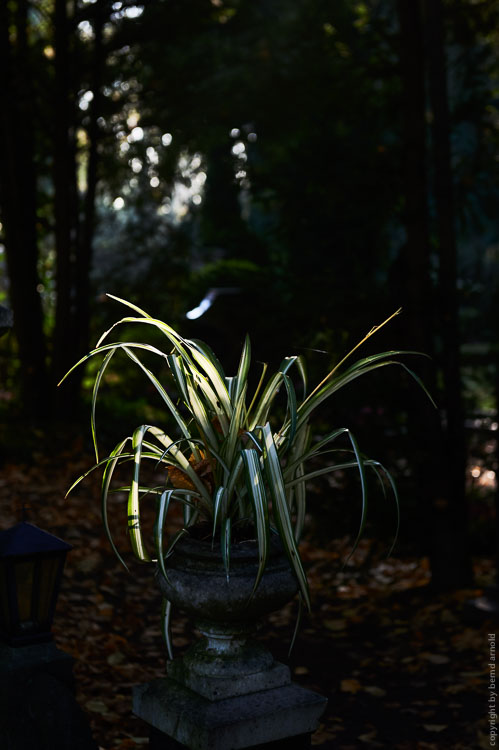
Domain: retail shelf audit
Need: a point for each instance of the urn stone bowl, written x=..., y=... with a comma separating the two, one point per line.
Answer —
x=227, y=661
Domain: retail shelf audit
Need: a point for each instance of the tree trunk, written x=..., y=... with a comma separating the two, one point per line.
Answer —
x=437, y=454
x=84, y=260
x=416, y=254
x=425, y=432
x=451, y=565
x=18, y=202
x=65, y=212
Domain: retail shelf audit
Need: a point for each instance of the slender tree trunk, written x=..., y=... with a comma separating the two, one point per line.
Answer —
x=452, y=565
x=416, y=255
x=65, y=211
x=425, y=431
x=437, y=436
x=18, y=203
x=84, y=260
x=221, y=223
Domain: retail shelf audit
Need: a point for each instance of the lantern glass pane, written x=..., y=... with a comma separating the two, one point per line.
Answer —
x=24, y=582
x=48, y=576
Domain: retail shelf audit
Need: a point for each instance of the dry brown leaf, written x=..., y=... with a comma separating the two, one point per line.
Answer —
x=335, y=624
x=375, y=690
x=456, y=687
x=435, y=727
x=116, y=658
x=97, y=706
x=350, y=685
x=301, y=670
x=369, y=738
x=435, y=658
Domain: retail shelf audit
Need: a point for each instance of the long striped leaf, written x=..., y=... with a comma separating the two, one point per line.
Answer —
x=182, y=372
x=178, y=374
x=363, y=483
x=234, y=476
x=182, y=462
x=375, y=465
x=366, y=361
x=230, y=445
x=256, y=490
x=207, y=352
x=231, y=384
x=315, y=450
x=106, y=348
x=301, y=505
x=178, y=342
x=322, y=472
x=166, y=615
x=214, y=388
x=161, y=514
x=219, y=507
x=162, y=392
x=296, y=468
x=215, y=379
x=281, y=510
x=270, y=392
x=95, y=391
x=287, y=442
x=256, y=394
x=225, y=542
x=102, y=463
x=314, y=401
x=134, y=526
x=242, y=370
x=297, y=623
x=128, y=304
x=202, y=419
x=107, y=476
x=302, y=369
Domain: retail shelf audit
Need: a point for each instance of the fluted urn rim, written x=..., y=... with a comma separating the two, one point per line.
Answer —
x=195, y=551
x=198, y=583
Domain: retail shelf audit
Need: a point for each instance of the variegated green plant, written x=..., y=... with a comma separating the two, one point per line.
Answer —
x=226, y=458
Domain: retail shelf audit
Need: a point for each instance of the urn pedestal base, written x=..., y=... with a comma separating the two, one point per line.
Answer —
x=289, y=713
x=226, y=664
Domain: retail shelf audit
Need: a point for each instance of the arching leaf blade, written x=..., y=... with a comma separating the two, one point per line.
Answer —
x=255, y=485
x=281, y=511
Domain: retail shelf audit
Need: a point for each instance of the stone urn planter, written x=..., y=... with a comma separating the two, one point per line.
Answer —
x=227, y=691
x=227, y=661
x=234, y=450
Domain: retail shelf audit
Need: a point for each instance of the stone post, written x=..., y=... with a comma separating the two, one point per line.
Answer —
x=38, y=710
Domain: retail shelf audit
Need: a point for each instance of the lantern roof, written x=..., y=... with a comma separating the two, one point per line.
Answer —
x=26, y=539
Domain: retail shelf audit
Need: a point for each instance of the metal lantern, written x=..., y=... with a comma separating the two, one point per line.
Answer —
x=31, y=563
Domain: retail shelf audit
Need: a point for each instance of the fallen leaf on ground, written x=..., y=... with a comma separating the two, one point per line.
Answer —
x=375, y=690
x=350, y=686
x=436, y=658
x=435, y=727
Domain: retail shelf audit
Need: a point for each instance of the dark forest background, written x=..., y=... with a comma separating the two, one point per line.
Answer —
x=319, y=164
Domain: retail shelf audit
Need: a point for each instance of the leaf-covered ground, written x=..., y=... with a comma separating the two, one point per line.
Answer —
x=401, y=668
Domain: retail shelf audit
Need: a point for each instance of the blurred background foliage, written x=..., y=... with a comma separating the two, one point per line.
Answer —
x=306, y=167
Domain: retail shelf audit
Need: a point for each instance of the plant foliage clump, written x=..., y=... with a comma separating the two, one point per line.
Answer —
x=230, y=457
